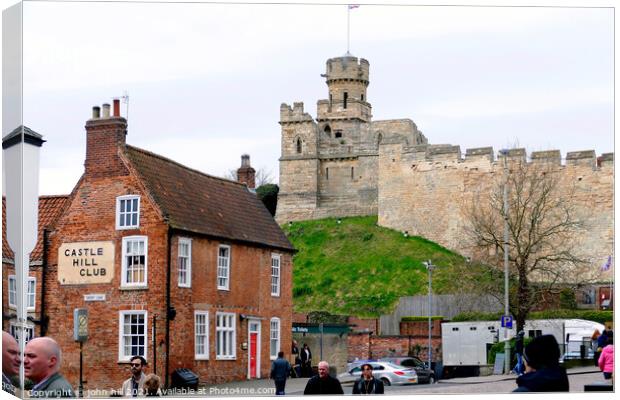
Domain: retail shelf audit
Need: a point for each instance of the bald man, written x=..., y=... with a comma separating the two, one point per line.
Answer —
x=323, y=383
x=42, y=358
x=10, y=361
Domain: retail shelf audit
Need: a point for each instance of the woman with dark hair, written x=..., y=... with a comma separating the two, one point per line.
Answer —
x=543, y=372
x=606, y=360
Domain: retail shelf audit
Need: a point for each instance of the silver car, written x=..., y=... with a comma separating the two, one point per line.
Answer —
x=390, y=374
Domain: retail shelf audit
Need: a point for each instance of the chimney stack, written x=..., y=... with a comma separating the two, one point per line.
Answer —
x=105, y=135
x=246, y=174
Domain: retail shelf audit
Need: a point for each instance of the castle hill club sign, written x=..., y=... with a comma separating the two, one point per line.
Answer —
x=85, y=263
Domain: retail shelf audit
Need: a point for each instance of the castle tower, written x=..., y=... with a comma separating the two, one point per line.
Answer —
x=347, y=80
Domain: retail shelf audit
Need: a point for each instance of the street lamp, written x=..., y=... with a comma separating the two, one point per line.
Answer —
x=506, y=271
x=429, y=267
x=20, y=149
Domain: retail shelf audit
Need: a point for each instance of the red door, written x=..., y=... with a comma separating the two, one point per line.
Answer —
x=253, y=343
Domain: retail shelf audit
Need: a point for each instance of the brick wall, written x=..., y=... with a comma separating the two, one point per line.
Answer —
x=364, y=346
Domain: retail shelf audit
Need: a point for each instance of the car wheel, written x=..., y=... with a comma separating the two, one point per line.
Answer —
x=386, y=381
x=431, y=379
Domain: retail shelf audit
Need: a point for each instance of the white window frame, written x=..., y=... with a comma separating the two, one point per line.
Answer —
x=231, y=333
x=119, y=199
x=204, y=355
x=276, y=273
x=122, y=357
x=274, y=337
x=29, y=331
x=188, y=267
x=30, y=295
x=226, y=286
x=124, y=283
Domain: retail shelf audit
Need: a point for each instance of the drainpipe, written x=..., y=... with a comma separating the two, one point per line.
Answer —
x=169, y=261
x=43, y=317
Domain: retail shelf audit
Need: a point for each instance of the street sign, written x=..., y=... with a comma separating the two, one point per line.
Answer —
x=507, y=321
x=80, y=324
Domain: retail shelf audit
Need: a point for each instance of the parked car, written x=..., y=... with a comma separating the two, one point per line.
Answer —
x=425, y=374
x=390, y=374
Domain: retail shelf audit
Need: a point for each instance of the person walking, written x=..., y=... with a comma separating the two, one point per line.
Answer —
x=296, y=359
x=134, y=386
x=280, y=371
x=606, y=360
x=519, y=353
x=601, y=342
x=306, y=361
x=368, y=384
x=323, y=383
x=10, y=361
x=42, y=358
x=543, y=372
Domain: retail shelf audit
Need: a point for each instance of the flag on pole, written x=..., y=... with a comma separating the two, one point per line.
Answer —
x=607, y=265
x=352, y=6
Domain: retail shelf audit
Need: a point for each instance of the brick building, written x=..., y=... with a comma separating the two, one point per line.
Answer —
x=186, y=269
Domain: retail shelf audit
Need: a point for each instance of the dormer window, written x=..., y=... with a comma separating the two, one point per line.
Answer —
x=298, y=145
x=127, y=212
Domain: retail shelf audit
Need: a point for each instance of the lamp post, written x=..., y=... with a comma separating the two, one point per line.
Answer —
x=506, y=271
x=429, y=267
x=20, y=149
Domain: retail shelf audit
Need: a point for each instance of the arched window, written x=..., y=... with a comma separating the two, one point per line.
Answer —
x=328, y=130
x=298, y=145
x=379, y=138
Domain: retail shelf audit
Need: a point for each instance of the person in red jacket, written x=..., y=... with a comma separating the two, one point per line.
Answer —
x=606, y=360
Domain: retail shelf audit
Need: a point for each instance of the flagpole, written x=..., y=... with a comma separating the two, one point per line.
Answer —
x=348, y=26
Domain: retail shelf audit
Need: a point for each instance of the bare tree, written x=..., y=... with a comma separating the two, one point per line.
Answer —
x=544, y=222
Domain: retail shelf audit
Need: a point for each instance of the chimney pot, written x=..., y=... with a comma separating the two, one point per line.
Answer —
x=245, y=160
x=117, y=107
x=96, y=112
x=106, y=110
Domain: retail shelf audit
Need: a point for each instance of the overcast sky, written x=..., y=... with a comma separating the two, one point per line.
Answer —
x=205, y=81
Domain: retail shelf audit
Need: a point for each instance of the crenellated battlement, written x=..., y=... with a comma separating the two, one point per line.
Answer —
x=294, y=114
x=437, y=153
x=347, y=68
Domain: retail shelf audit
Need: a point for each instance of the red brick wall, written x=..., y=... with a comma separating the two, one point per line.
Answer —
x=364, y=324
x=420, y=328
x=365, y=346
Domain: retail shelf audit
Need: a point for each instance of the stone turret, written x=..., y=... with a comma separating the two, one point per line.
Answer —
x=347, y=80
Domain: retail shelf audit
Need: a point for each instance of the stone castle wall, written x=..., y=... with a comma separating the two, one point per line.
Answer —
x=427, y=191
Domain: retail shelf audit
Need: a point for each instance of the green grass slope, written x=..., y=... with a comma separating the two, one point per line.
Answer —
x=359, y=268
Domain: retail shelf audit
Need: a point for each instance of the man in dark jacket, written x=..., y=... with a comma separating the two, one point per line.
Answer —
x=280, y=370
x=42, y=358
x=367, y=384
x=306, y=361
x=323, y=383
x=543, y=372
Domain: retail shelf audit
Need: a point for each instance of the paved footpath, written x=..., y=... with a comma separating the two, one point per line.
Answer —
x=492, y=384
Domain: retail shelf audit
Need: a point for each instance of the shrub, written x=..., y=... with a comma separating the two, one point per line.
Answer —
x=268, y=194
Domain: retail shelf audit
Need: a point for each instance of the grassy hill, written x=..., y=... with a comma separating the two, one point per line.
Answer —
x=359, y=268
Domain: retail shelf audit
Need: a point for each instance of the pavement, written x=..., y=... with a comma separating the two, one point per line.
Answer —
x=578, y=377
